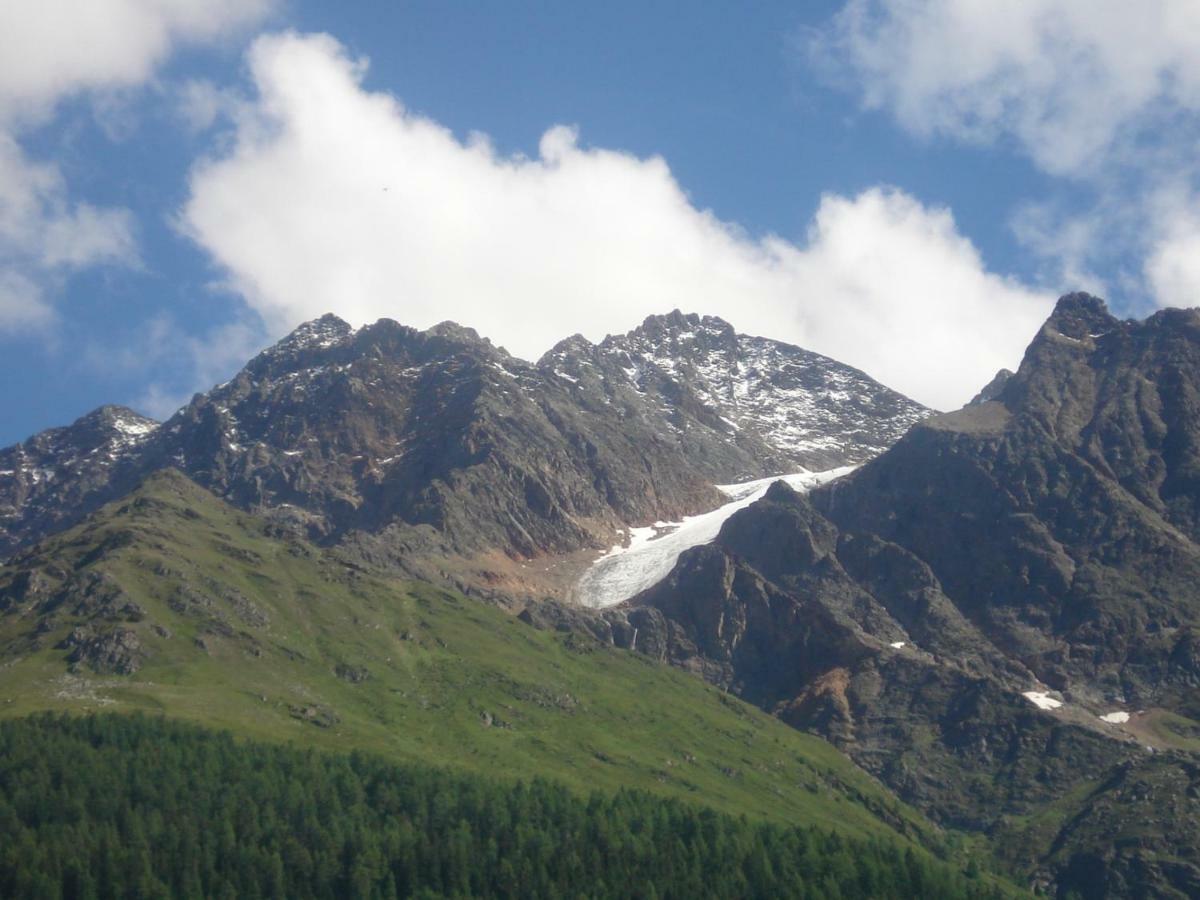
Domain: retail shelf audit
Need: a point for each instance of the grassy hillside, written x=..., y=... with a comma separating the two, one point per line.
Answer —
x=171, y=601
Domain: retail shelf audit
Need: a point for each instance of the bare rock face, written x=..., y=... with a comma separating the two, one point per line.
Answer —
x=117, y=651
x=1046, y=538
x=1054, y=529
x=401, y=444
x=1061, y=518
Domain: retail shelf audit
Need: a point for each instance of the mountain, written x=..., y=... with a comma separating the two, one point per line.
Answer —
x=809, y=411
x=46, y=481
x=997, y=616
x=171, y=601
x=440, y=454
x=1064, y=517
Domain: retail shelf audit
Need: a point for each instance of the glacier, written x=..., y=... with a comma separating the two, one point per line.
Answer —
x=649, y=553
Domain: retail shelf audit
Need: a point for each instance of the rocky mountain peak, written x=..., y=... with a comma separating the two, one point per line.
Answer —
x=108, y=427
x=677, y=330
x=456, y=333
x=304, y=346
x=115, y=421
x=317, y=334
x=814, y=412
x=664, y=321
x=44, y=480
x=575, y=345
x=385, y=338
x=388, y=339
x=1080, y=316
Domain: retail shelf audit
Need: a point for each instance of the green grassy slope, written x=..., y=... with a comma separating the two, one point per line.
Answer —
x=276, y=640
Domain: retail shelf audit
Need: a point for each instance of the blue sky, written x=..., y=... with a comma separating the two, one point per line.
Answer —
x=905, y=186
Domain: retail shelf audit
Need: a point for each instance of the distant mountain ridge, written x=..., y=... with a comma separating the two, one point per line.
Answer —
x=438, y=444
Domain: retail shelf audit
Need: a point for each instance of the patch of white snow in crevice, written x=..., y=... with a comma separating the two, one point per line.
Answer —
x=1042, y=700
x=1115, y=718
x=896, y=645
x=134, y=429
x=650, y=552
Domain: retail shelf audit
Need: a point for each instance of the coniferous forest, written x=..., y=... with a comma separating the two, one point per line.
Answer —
x=119, y=806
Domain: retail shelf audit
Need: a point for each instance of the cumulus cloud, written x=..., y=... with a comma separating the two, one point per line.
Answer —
x=1070, y=79
x=1173, y=267
x=1105, y=93
x=54, y=48
x=332, y=198
x=50, y=50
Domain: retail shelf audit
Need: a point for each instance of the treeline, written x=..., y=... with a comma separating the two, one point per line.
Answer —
x=118, y=806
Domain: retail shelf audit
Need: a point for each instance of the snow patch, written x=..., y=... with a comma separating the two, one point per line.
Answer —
x=1115, y=718
x=1042, y=700
x=896, y=645
x=131, y=428
x=650, y=552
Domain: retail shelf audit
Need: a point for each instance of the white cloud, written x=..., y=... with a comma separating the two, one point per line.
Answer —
x=330, y=198
x=1173, y=267
x=54, y=48
x=1105, y=93
x=1072, y=80
x=43, y=234
x=22, y=305
x=50, y=50
x=891, y=286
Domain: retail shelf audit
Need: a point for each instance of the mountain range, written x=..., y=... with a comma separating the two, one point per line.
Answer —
x=437, y=452
x=992, y=613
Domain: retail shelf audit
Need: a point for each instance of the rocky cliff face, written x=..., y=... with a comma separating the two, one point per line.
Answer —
x=853, y=637
x=1051, y=532
x=402, y=443
x=1062, y=516
x=959, y=613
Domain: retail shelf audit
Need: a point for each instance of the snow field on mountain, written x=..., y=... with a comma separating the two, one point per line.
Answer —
x=1042, y=700
x=650, y=552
